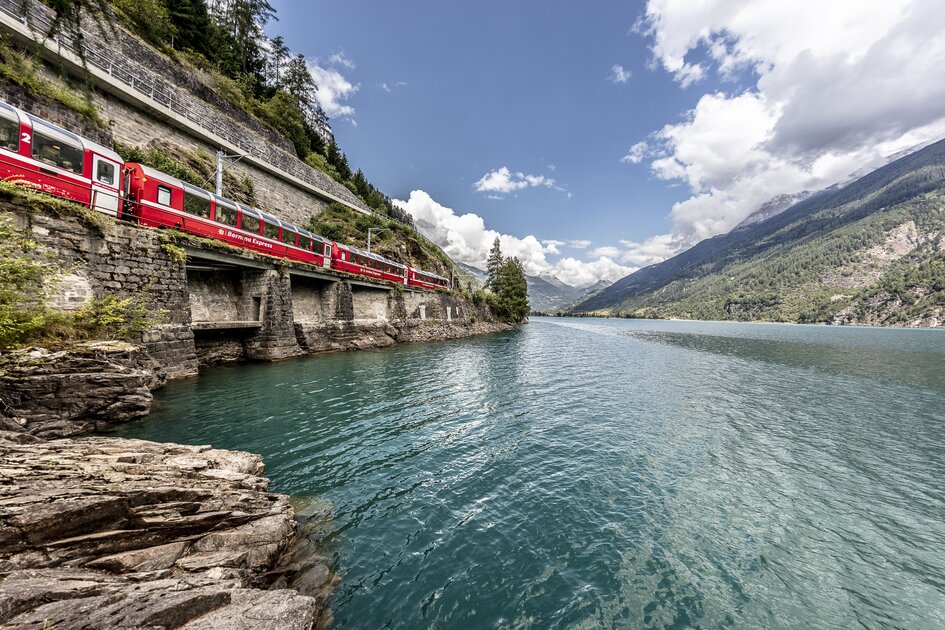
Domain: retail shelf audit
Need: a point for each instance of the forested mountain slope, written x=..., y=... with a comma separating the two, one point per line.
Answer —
x=871, y=252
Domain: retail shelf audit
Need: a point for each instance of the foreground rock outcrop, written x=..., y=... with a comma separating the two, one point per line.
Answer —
x=116, y=533
x=83, y=389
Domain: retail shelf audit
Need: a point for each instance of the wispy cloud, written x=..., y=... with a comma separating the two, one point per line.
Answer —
x=339, y=59
x=390, y=87
x=636, y=153
x=618, y=74
x=503, y=181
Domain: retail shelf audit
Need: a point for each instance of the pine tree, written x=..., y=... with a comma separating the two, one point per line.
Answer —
x=493, y=264
x=511, y=292
x=245, y=19
x=298, y=81
x=278, y=55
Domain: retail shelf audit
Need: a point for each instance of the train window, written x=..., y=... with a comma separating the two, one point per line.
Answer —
x=55, y=152
x=226, y=215
x=271, y=230
x=288, y=236
x=250, y=223
x=327, y=249
x=196, y=205
x=164, y=196
x=305, y=242
x=9, y=129
x=105, y=173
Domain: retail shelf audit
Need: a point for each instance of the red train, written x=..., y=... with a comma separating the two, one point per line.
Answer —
x=39, y=154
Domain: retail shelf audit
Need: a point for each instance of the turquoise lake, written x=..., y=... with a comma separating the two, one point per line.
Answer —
x=586, y=473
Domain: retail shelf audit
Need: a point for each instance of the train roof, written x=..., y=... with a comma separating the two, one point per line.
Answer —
x=433, y=275
x=312, y=235
x=164, y=177
x=366, y=254
x=67, y=136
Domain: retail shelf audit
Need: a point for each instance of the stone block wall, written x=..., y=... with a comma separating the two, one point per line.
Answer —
x=122, y=260
x=370, y=304
x=224, y=295
x=204, y=316
x=276, y=339
x=55, y=112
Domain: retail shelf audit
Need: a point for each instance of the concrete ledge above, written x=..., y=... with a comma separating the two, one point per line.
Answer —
x=206, y=259
x=225, y=325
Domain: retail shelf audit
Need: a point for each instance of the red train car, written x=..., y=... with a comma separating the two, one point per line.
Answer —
x=426, y=280
x=354, y=260
x=157, y=199
x=39, y=154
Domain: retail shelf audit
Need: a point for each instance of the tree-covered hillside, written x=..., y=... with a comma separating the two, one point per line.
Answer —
x=871, y=252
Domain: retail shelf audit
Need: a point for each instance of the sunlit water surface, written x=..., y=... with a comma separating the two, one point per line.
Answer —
x=609, y=473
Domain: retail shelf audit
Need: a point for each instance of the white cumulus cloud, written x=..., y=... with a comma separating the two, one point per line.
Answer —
x=339, y=59
x=652, y=250
x=466, y=239
x=606, y=251
x=334, y=90
x=503, y=181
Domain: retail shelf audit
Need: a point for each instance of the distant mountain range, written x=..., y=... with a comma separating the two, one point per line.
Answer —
x=546, y=293
x=774, y=207
x=869, y=251
x=780, y=203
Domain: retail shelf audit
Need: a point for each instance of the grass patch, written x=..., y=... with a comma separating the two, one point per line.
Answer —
x=23, y=69
x=27, y=275
x=177, y=254
x=38, y=201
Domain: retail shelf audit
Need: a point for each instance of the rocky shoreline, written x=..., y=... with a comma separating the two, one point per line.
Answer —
x=116, y=533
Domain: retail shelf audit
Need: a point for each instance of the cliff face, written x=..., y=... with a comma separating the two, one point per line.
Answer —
x=56, y=394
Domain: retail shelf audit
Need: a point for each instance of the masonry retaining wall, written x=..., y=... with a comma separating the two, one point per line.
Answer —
x=248, y=307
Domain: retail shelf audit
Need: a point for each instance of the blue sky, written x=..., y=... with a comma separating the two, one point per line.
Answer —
x=434, y=96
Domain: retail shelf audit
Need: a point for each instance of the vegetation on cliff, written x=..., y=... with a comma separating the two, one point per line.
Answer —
x=397, y=241
x=194, y=167
x=28, y=276
x=23, y=69
x=871, y=252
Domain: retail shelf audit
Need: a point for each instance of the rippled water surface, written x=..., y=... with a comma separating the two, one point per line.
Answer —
x=609, y=473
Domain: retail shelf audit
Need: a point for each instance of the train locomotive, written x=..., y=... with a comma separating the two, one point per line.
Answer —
x=36, y=153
